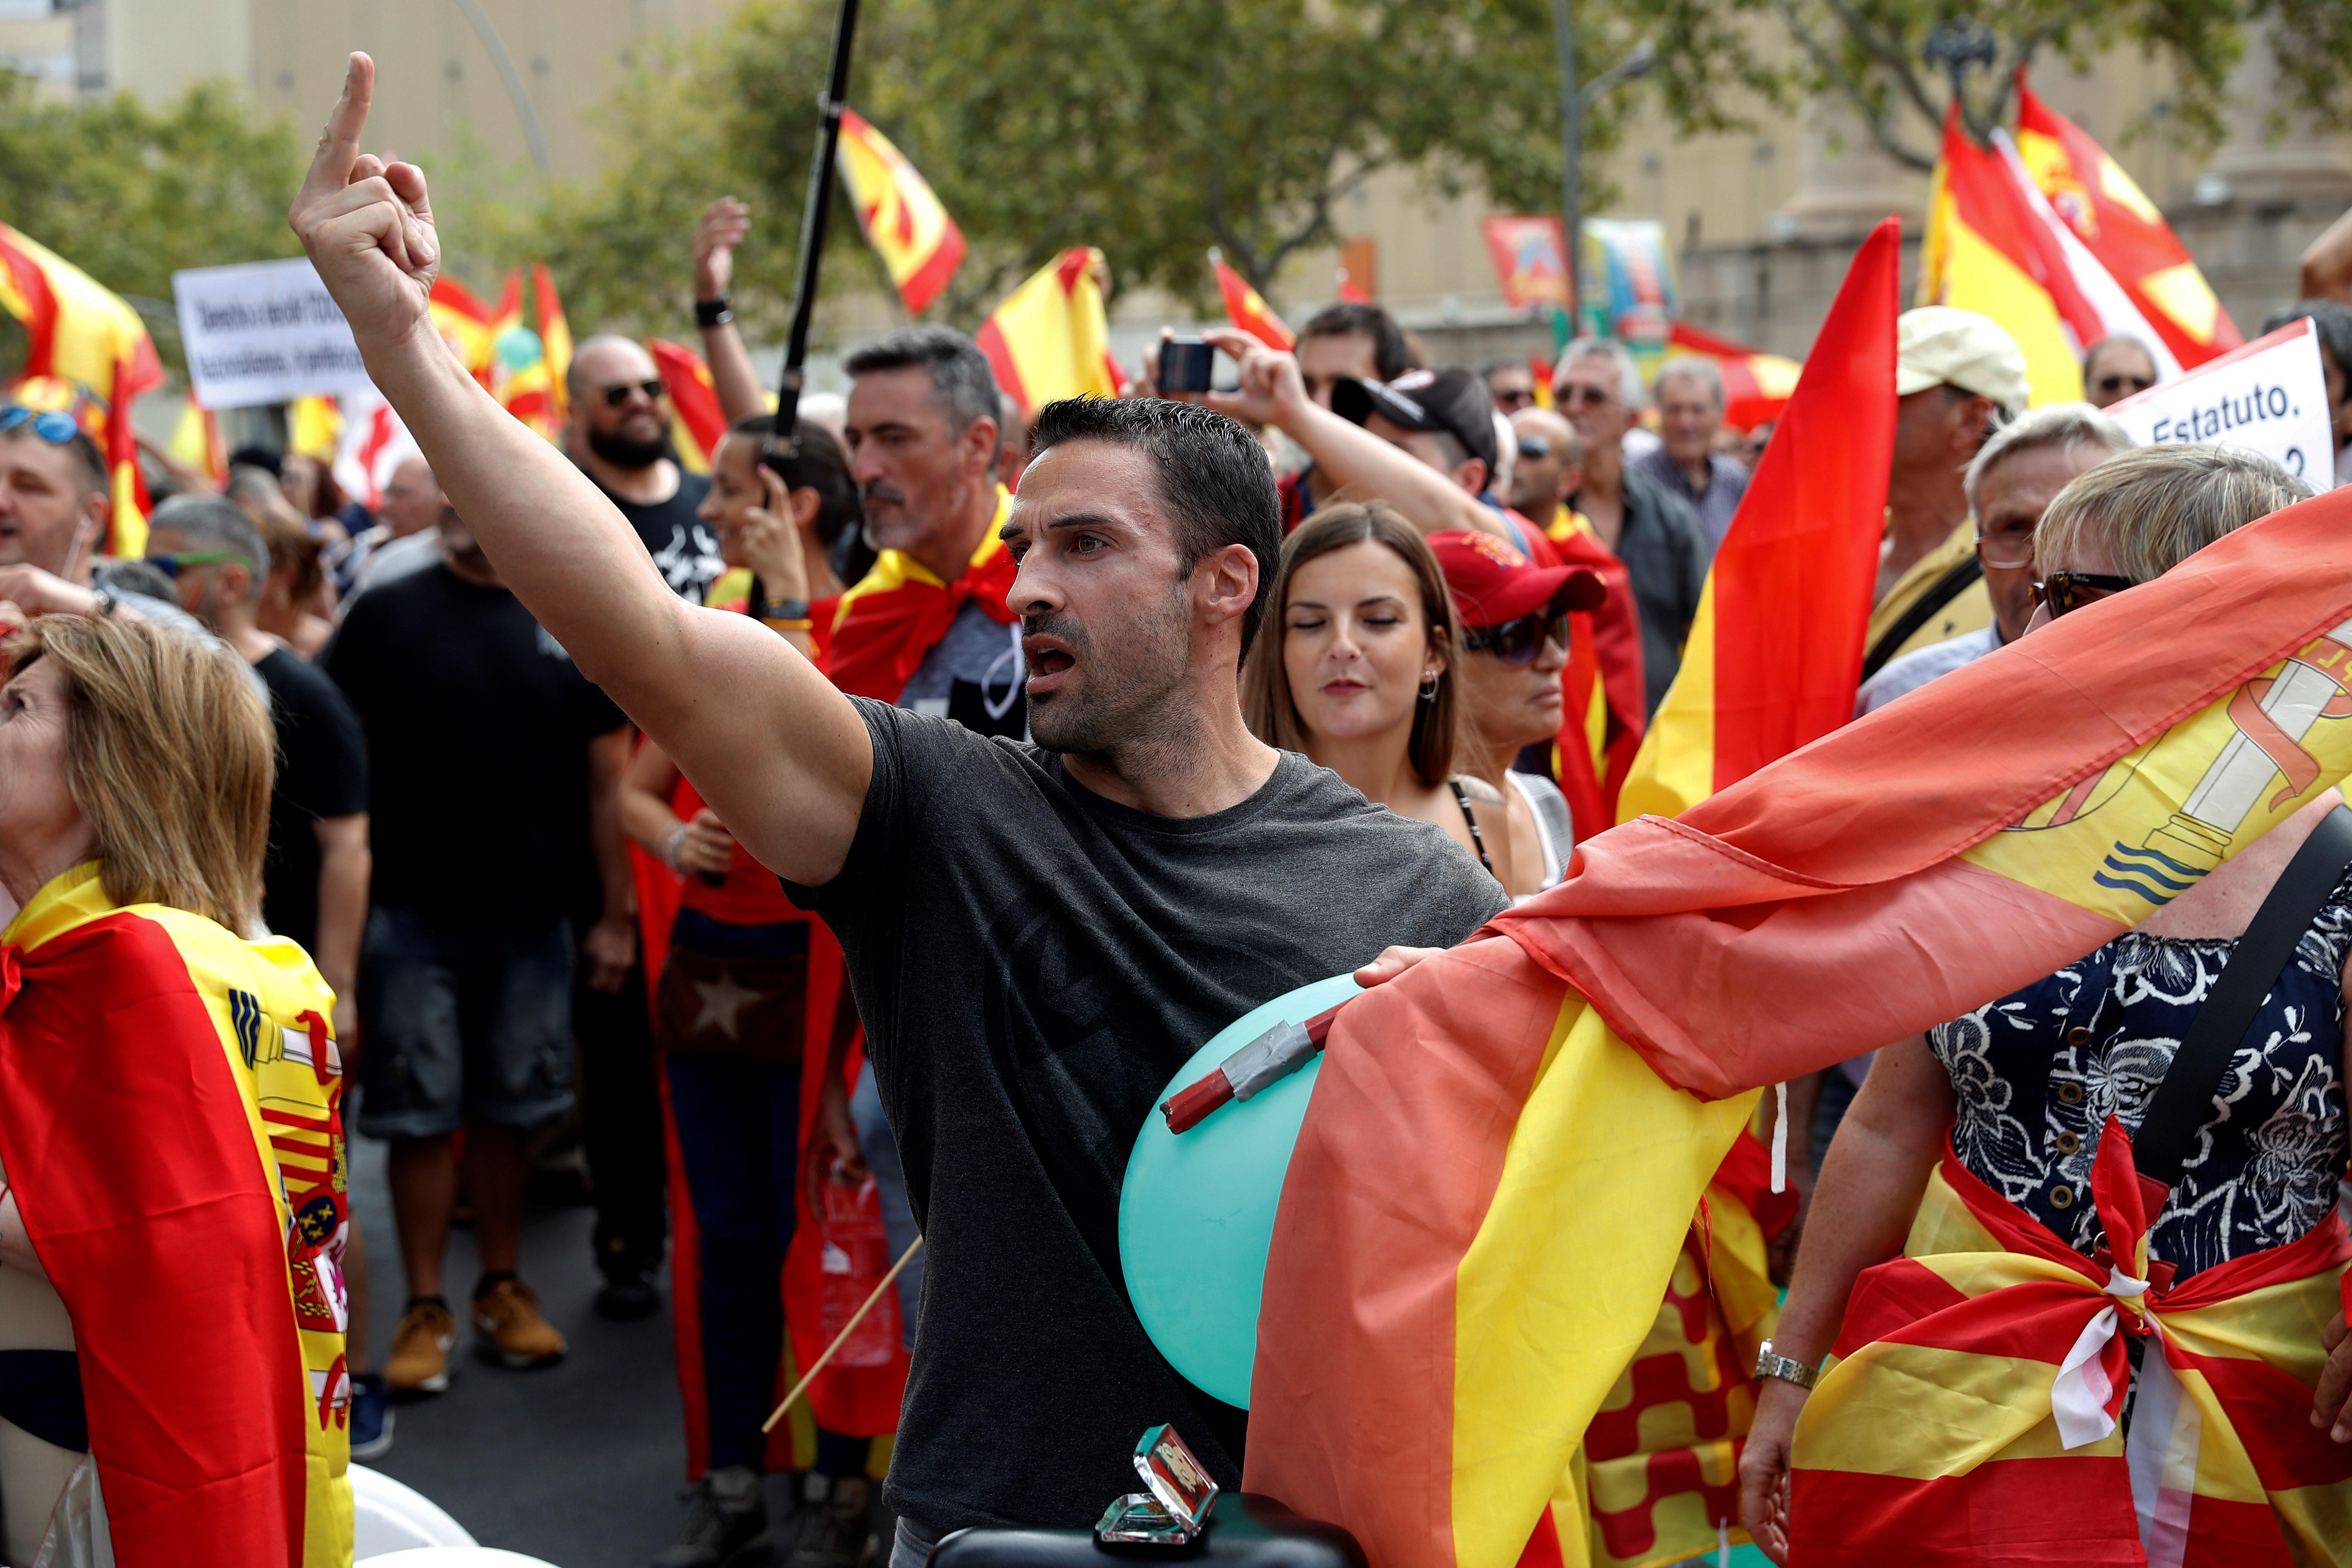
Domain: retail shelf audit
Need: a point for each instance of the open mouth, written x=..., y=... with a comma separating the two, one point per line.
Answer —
x=1049, y=662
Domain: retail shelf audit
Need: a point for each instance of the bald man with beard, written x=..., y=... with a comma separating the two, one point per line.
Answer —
x=620, y=435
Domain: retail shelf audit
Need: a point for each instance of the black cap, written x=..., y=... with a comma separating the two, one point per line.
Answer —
x=1452, y=400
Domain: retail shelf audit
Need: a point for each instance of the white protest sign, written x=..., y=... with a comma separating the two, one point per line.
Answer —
x=2268, y=396
x=263, y=332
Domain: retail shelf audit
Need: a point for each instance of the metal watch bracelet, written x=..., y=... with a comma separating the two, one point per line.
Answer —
x=1770, y=1363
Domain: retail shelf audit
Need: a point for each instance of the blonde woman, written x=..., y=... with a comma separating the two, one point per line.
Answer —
x=1357, y=671
x=172, y=1307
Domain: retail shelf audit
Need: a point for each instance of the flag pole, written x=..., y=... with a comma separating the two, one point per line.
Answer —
x=814, y=219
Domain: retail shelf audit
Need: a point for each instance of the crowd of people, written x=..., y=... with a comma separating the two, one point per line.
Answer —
x=979, y=817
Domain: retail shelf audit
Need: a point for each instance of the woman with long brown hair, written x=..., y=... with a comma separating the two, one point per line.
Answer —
x=1356, y=671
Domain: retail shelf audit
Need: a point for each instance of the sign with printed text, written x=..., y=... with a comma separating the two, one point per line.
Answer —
x=263, y=332
x=2268, y=396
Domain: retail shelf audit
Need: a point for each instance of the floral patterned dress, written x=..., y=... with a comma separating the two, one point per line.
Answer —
x=2037, y=1072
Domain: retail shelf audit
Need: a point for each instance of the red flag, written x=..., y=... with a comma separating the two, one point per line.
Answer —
x=1247, y=310
x=701, y=420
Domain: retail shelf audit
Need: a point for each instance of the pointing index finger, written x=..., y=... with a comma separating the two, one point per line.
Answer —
x=339, y=143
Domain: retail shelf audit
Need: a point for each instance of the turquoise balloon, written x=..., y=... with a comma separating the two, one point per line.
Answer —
x=1196, y=1214
x=519, y=347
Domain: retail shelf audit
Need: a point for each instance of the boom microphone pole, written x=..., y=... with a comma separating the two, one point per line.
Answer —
x=813, y=220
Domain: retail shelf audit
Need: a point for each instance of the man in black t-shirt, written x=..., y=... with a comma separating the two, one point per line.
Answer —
x=619, y=436
x=1039, y=934
x=493, y=761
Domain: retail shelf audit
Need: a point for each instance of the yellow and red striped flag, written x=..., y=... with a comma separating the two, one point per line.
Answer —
x=1775, y=650
x=1247, y=309
x=78, y=330
x=554, y=337
x=1437, y=1334
x=1756, y=385
x=197, y=441
x=694, y=396
x=1051, y=339
x=463, y=324
x=904, y=222
x=2119, y=225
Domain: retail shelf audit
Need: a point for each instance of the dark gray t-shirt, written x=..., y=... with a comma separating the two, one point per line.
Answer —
x=1033, y=964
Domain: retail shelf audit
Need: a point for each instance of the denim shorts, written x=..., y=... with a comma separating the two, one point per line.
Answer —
x=462, y=1023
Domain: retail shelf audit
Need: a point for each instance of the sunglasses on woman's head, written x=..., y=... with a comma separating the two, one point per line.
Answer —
x=1517, y=643
x=618, y=393
x=2063, y=591
x=50, y=425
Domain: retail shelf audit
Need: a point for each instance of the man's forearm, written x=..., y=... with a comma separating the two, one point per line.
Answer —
x=344, y=865
x=740, y=395
x=608, y=761
x=1353, y=459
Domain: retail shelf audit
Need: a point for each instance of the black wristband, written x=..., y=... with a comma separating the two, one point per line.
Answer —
x=714, y=312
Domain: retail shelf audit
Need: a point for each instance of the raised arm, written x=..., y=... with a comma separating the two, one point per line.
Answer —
x=780, y=753
x=724, y=223
x=1353, y=458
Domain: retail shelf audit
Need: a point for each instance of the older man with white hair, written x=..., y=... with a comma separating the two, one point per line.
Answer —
x=1656, y=533
x=1689, y=395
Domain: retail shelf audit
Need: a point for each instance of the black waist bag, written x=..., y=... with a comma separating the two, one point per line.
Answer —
x=1245, y=1530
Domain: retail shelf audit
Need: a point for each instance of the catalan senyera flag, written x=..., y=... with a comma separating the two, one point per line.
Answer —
x=1995, y=245
x=1968, y=1411
x=904, y=222
x=2117, y=224
x=1572, y=1077
x=554, y=337
x=700, y=421
x=170, y=1119
x=78, y=330
x=1050, y=339
x=1756, y=385
x=1774, y=650
x=1247, y=309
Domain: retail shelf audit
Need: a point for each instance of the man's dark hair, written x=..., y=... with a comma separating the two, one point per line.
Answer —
x=816, y=463
x=961, y=379
x=1391, y=355
x=1213, y=477
x=2330, y=321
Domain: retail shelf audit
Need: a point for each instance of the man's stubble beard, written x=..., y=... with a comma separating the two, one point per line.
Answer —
x=1128, y=700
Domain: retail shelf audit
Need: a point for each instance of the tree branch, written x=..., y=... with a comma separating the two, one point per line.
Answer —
x=1888, y=53
x=1876, y=117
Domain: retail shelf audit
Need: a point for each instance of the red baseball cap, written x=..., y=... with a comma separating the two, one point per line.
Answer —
x=1493, y=584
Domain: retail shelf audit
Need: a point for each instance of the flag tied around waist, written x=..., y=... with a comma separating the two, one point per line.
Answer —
x=170, y=1122
x=1505, y=1145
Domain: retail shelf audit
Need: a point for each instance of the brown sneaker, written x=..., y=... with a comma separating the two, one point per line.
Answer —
x=511, y=1330
x=420, y=1350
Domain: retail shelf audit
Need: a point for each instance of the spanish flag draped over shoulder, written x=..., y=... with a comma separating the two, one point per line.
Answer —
x=170, y=1102
x=919, y=243
x=2107, y=210
x=78, y=330
x=881, y=628
x=1438, y=1331
x=1051, y=339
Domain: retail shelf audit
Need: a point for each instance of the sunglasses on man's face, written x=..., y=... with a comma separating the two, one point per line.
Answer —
x=50, y=425
x=1535, y=449
x=2063, y=591
x=618, y=393
x=1585, y=397
x=170, y=564
x=1512, y=402
x=2114, y=382
x=1517, y=643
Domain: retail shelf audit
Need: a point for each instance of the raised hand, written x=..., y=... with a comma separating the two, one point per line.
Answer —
x=366, y=223
x=724, y=223
x=1272, y=391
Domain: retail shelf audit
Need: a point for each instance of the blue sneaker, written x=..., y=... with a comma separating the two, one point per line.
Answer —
x=371, y=1416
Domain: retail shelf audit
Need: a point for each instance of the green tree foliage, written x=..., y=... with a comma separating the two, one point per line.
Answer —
x=130, y=195
x=1151, y=128
x=1870, y=54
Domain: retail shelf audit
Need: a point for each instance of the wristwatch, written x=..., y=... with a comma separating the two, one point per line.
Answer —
x=1770, y=1363
x=714, y=312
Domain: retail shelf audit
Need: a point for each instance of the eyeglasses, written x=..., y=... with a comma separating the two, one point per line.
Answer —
x=1534, y=447
x=170, y=564
x=1984, y=559
x=1581, y=396
x=1517, y=643
x=618, y=393
x=2114, y=383
x=2063, y=591
x=1512, y=402
x=50, y=425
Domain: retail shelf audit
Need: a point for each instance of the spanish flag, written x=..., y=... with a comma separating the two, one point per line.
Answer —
x=78, y=330
x=881, y=628
x=554, y=337
x=1247, y=309
x=170, y=1121
x=694, y=397
x=2119, y=225
x=1776, y=648
x=466, y=324
x=904, y=222
x=1756, y=385
x=1605, y=703
x=1050, y=339
x=1439, y=1332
